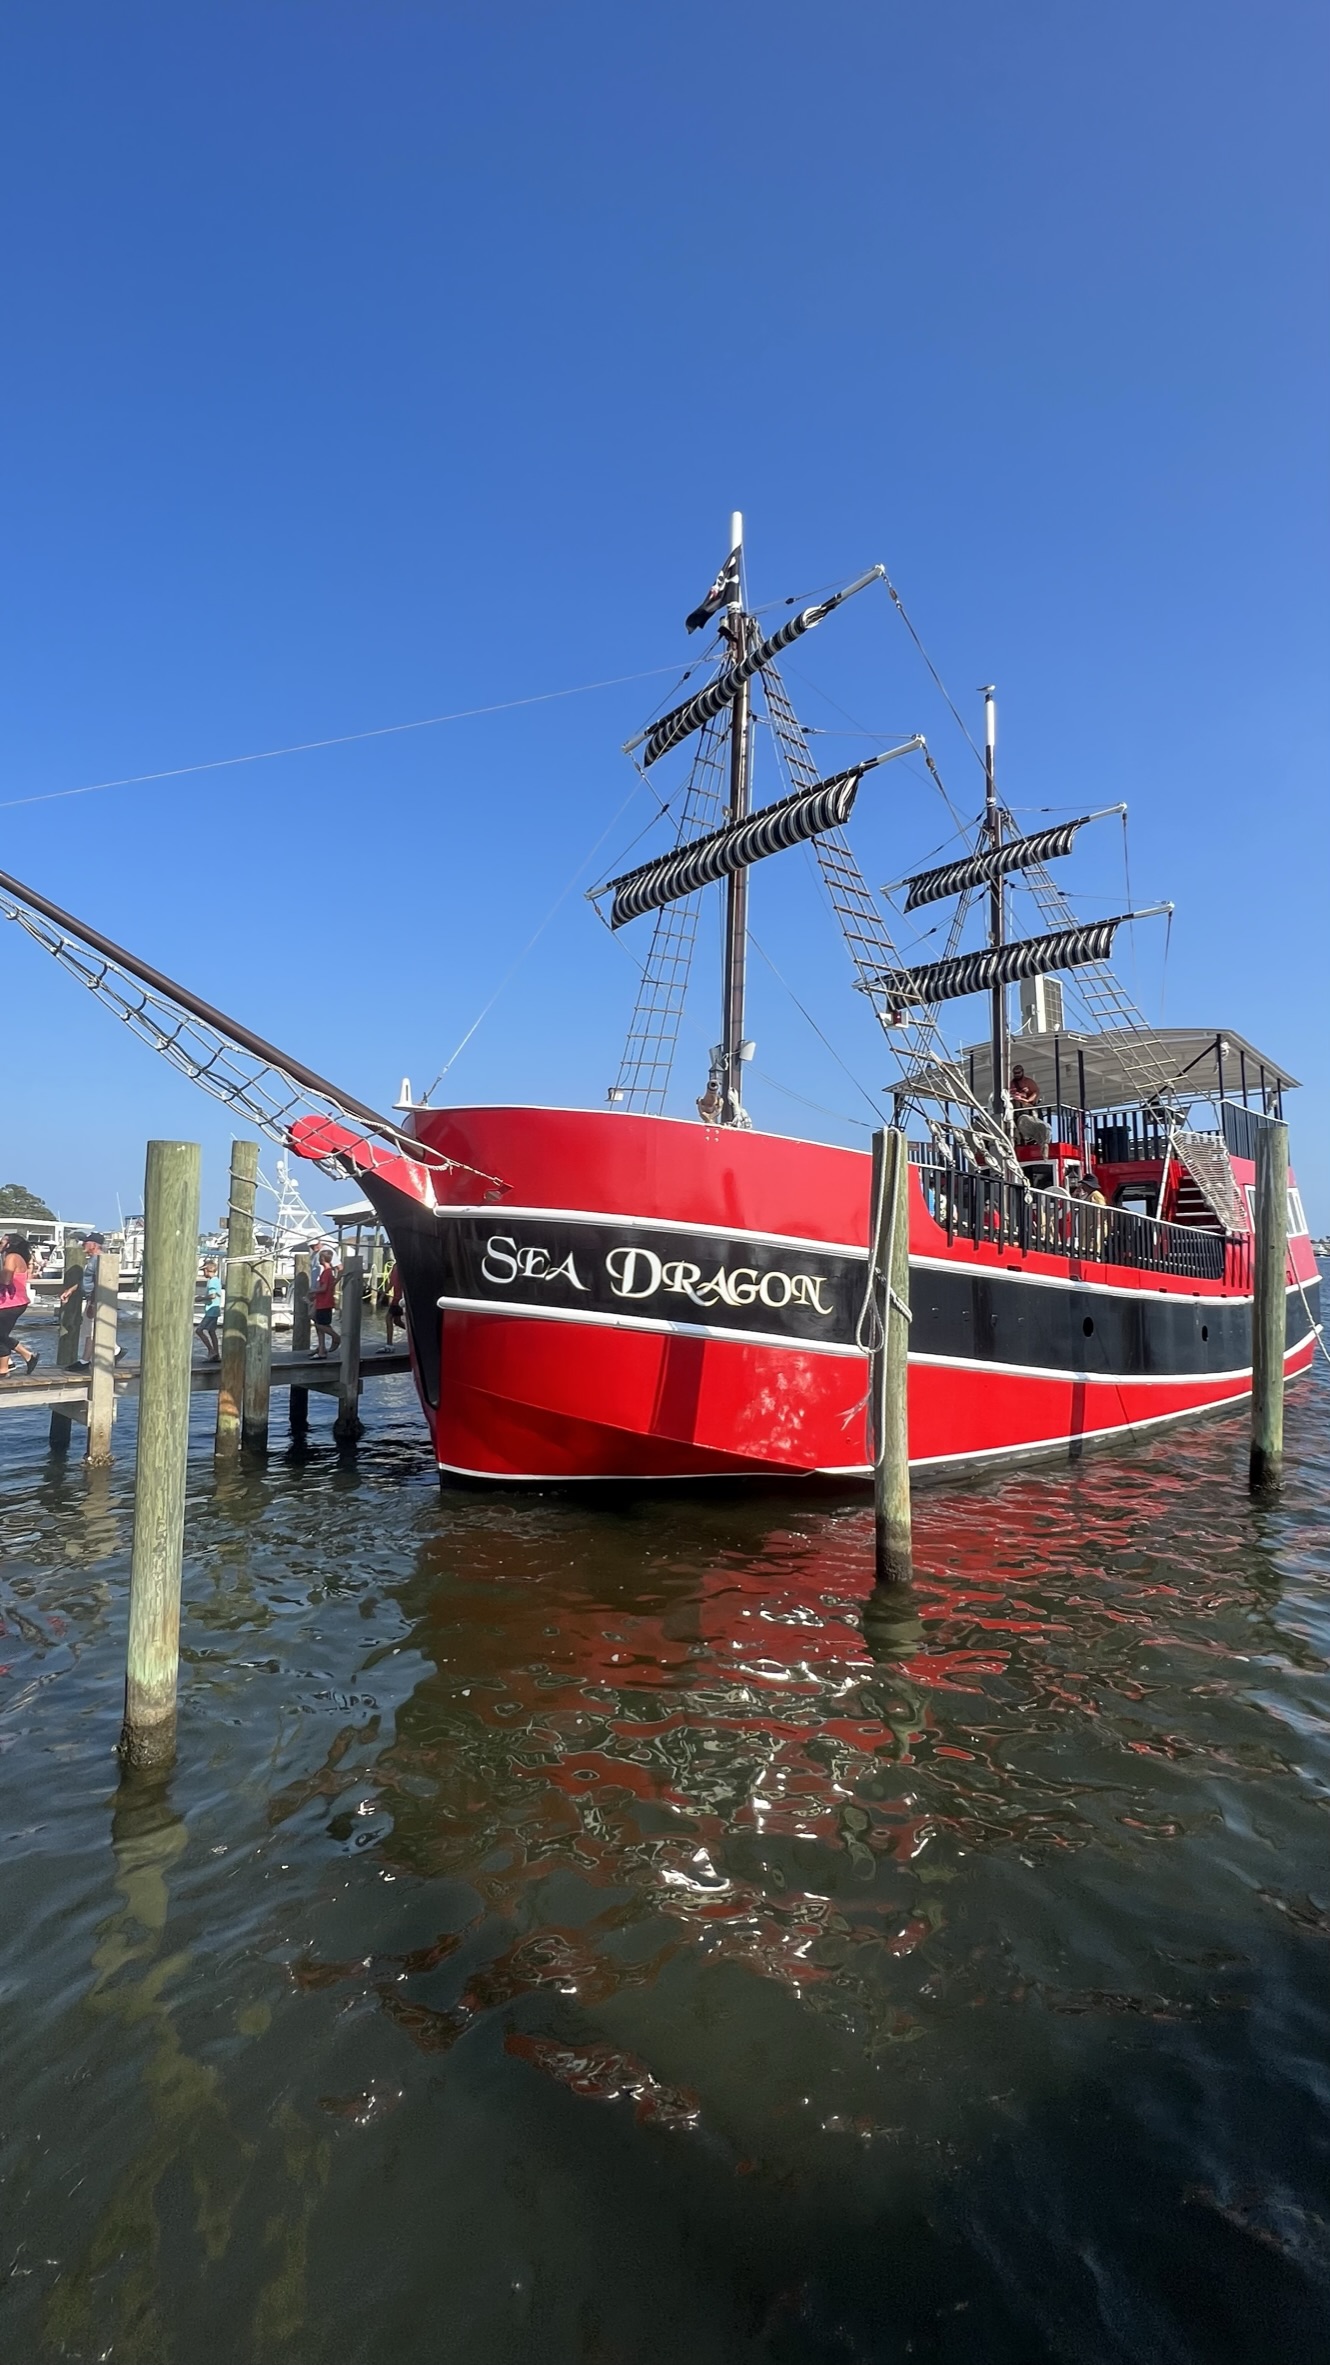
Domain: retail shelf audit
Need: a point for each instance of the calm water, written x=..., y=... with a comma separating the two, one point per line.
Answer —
x=607, y=1934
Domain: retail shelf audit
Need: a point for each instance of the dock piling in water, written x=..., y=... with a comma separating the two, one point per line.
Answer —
x=889, y=1283
x=235, y=1315
x=170, y=1262
x=298, y=1411
x=1269, y=1304
x=101, y=1382
x=348, y=1425
x=258, y=1358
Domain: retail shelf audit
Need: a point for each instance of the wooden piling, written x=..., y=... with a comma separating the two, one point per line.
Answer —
x=69, y=1321
x=101, y=1383
x=299, y=1397
x=258, y=1359
x=1269, y=1304
x=888, y=1397
x=348, y=1425
x=235, y=1314
x=170, y=1265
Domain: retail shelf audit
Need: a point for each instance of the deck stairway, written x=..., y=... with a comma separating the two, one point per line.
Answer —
x=1207, y=1195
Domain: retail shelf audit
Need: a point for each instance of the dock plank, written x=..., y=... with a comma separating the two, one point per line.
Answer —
x=55, y=1388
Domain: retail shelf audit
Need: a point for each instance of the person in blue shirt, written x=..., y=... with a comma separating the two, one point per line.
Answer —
x=206, y=1327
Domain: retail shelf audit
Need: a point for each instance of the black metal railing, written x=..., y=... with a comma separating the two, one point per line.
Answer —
x=1241, y=1128
x=970, y=1204
x=1127, y=1137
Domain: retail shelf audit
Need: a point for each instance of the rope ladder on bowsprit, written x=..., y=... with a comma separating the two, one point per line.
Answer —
x=254, y=1078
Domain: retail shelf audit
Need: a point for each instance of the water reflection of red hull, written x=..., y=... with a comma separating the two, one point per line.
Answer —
x=649, y=1299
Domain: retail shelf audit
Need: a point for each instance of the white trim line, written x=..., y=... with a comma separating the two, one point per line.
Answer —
x=1094, y=1379
x=687, y=1330
x=1154, y=1420
x=795, y=1346
x=1149, y=1285
x=660, y=1223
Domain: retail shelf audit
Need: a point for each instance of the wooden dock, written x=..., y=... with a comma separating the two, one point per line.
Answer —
x=55, y=1390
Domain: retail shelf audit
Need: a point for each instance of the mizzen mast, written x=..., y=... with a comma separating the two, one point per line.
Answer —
x=997, y=907
x=739, y=629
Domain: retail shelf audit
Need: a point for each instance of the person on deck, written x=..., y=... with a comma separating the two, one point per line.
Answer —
x=1029, y=1130
x=69, y=1307
x=93, y=1245
x=323, y=1297
x=1094, y=1227
x=393, y=1318
x=15, y=1266
x=206, y=1327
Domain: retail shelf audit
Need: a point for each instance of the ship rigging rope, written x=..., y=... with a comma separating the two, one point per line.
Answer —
x=870, y=1340
x=823, y=1039
x=899, y=605
x=240, y=1070
x=561, y=898
x=266, y=755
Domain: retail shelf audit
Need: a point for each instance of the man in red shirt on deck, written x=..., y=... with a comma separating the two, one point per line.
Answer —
x=323, y=1297
x=1030, y=1130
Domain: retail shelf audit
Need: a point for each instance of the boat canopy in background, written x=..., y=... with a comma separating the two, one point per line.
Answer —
x=1124, y=1065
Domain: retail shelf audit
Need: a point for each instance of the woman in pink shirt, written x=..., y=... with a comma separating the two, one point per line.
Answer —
x=15, y=1263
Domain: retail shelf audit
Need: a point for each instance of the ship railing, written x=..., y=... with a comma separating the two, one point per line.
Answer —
x=1242, y=1128
x=971, y=1204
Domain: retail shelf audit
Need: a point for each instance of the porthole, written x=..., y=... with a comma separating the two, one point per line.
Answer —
x=1088, y=1326
x=1205, y=1330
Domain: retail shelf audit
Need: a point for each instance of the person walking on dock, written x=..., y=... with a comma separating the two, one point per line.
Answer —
x=206, y=1327
x=394, y=1318
x=15, y=1266
x=86, y=1288
x=69, y=1307
x=323, y=1297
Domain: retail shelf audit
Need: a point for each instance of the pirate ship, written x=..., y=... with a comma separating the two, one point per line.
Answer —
x=623, y=1294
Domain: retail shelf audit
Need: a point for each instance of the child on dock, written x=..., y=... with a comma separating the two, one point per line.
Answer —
x=322, y=1299
x=15, y=1264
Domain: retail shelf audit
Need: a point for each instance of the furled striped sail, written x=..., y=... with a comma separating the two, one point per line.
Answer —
x=695, y=711
x=980, y=870
x=999, y=964
x=686, y=868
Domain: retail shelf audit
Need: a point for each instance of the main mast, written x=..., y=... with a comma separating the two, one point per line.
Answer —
x=997, y=907
x=738, y=630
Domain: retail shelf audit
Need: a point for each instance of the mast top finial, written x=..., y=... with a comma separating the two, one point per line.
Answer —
x=736, y=529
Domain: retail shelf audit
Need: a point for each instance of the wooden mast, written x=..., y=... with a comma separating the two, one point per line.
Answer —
x=738, y=628
x=997, y=908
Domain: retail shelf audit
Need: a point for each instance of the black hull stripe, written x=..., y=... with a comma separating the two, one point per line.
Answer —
x=990, y=1317
x=1076, y=1374
x=781, y=1292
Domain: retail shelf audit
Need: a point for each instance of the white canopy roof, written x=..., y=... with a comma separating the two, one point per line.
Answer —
x=1129, y=1064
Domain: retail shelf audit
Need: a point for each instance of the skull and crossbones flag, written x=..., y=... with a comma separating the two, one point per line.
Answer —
x=723, y=590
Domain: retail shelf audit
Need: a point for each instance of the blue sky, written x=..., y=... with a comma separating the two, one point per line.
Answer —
x=372, y=364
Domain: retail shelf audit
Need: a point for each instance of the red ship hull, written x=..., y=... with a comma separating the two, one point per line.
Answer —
x=638, y=1298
